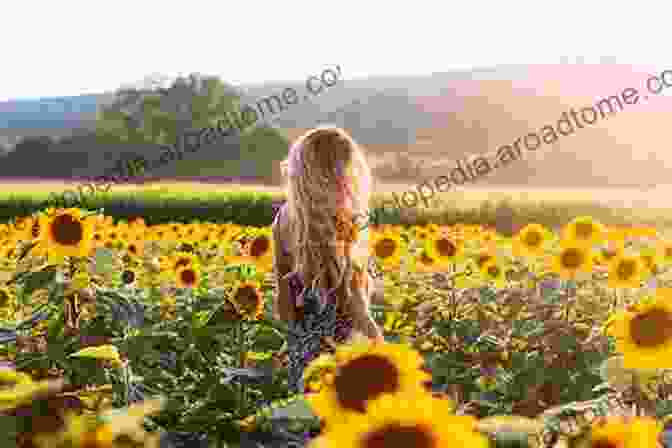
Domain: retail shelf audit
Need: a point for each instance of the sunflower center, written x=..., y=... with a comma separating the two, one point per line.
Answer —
x=128, y=277
x=67, y=230
x=259, y=246
x=426, y=259
x=188, y=277
x=446, y=247
x=35, y=230
x=572, y=258
x=482, y=259
x=584, y=230
x=385, y=248
x=652, y=328
x=532, y=239
x=396, y=435
x=626, y=269
x=354, y=387
x=4, y=299
x=493, y=271
x=604, y=443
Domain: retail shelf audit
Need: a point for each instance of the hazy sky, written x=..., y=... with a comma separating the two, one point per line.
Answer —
x=73, y=47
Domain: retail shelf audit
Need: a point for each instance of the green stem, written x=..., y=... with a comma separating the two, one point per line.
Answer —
x=241, y=364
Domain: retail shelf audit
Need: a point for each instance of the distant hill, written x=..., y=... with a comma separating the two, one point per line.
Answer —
x=439, y=118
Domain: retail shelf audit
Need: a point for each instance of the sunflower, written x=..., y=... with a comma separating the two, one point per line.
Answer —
x=482, y=257
x=444, y=249
x=423, y=262
x=248, y=300
x=608, y=253
x=417, y=420
x=615, y=235
x=386, y=247
x=187, y=277
x=530, y=240
x=135, y=247
x=644, y=332
x=626, y=272
x=650, y=259
x=192, y=232
x=422, y=233
x=583, y=231
x=571, y=260
x=181, y=259
x=207, y=239
x=168, y=307
x=137, y=222
x=67, y=233
x=129, y=276
x=494, y=272
x=642, y=232
x=665, y=251
x=22, y=227
x=261, y=250
x=644, y=432
x=98, y=238
x=611, y=432
x=365, y=372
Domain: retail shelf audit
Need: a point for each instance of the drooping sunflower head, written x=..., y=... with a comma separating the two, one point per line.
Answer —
x=644, y=332
x=249, y=300
x=494, y=272
x=365, y=372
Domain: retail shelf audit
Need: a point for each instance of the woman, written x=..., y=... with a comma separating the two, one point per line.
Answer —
x=320, y=257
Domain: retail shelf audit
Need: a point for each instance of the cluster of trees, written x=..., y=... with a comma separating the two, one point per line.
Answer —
x=140, y=120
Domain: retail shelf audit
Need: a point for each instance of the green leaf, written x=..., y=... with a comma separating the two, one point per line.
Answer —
x=103, y=261
x=37, y=280
x=298, y=409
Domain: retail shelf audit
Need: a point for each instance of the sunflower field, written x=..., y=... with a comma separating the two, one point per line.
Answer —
x=123, y=334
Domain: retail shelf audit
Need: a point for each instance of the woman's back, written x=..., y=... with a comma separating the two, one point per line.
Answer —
x=323, y=284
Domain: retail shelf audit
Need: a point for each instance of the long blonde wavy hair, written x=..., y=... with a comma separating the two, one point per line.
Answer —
x=327, y=176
